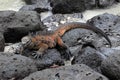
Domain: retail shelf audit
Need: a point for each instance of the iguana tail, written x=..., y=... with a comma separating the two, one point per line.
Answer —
x=66, y=27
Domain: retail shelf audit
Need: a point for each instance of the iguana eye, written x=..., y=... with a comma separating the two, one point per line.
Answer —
x=42, y=38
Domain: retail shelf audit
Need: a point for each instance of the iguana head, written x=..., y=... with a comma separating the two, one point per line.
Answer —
x=26, y=40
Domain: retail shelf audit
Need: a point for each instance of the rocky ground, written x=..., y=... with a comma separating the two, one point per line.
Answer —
x=96, y=61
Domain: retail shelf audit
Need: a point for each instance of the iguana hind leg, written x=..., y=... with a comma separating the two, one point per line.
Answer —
x=63, y=48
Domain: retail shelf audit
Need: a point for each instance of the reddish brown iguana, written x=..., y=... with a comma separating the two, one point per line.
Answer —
x=42, y=42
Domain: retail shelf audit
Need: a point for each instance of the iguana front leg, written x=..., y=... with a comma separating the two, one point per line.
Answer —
x=42, y=47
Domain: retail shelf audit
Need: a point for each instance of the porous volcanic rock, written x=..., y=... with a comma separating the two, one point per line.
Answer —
x=15, y=25
x=90, y=57
x=15, y=66
x=70, y=6
x=37, y=5
x=2, y=42
x=49, y=58
x=110, y=24
x=111, y=66
x=73, y=72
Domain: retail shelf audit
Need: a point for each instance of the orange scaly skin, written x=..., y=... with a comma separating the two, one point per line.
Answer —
x=43, y=42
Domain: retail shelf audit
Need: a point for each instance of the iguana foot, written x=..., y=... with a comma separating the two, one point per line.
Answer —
x=37, y=54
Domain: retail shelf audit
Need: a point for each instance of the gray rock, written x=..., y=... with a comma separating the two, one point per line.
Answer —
x=105, y=3
x=74, y=72
x=48, y=59
x=15, y=66
x=106, y=52
x=83, y=36
x=80, y=37
x=2, y=42
x=15, y=25
x=36, y=2
x=90, y=57
x=118, y=0
x=109, y=24
x=111, y=66
x=37, y=5
x=91, y=4
x=37, y=8
x=67, y=6
x=28, y=1
x=70, y=6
